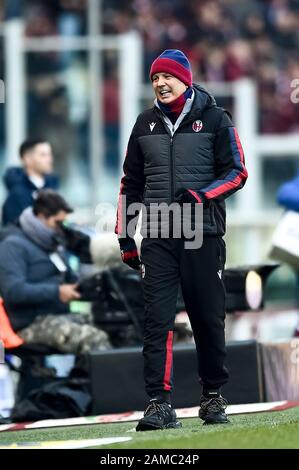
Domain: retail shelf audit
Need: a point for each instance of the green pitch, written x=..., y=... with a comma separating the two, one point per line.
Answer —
x=272, y=430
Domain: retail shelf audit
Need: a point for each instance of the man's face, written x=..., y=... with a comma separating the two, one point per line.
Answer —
x=167, y=87
x=39, y=159
x=54, y=221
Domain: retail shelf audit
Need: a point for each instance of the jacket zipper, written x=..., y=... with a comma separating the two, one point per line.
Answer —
x=172, y=170
x=171, y=159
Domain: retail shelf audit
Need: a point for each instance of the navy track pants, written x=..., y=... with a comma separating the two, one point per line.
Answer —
x=166, y=264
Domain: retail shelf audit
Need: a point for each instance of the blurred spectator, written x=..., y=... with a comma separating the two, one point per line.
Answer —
x=37, y=283
x=225, y=39
x=22, y=183
x=51, y=103
x=111, y=116
x=239, y=61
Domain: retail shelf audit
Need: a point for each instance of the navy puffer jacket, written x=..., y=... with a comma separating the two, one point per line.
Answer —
x=204, y=155
x=20, y=192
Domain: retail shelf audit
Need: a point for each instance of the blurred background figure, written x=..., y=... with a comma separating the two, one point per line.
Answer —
x=23, y=182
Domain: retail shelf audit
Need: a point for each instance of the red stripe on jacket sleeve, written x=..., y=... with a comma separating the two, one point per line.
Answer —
x=238, y=174
x=194, y=194
x=239, y=145
x=224, y=187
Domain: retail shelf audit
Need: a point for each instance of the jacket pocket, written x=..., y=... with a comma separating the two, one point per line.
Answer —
x=221, y=251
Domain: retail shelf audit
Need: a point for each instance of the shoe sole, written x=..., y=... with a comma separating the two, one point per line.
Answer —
x=210, y=419
x=211, y=422
x=149, y=427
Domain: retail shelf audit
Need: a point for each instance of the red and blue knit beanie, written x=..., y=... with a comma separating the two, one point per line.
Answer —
x=174, y=62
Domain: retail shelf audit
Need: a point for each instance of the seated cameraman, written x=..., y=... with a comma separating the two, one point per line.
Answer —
x=37, y=284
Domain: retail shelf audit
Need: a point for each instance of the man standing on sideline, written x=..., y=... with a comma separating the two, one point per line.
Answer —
x=184, y=149
x=22, y=183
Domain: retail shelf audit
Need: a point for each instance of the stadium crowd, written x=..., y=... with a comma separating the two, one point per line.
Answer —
x=225, y=39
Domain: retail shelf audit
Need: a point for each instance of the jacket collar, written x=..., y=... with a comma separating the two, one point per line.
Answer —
x=186, y=109
x=201, y=99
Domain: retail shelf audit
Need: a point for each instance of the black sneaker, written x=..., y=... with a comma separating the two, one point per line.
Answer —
x=158, y=415
x=212, y=410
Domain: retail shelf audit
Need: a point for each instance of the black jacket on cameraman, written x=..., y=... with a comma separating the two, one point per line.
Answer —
x=204, y=155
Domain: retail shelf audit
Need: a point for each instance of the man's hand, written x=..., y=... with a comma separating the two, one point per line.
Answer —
x=68, y=292
x=129, y=254
x=189, y=196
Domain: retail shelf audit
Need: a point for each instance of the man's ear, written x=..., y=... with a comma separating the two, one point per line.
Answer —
x=26, y=160
x=41, y=216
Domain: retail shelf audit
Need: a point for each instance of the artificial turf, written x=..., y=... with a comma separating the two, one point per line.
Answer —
x=272, y=430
